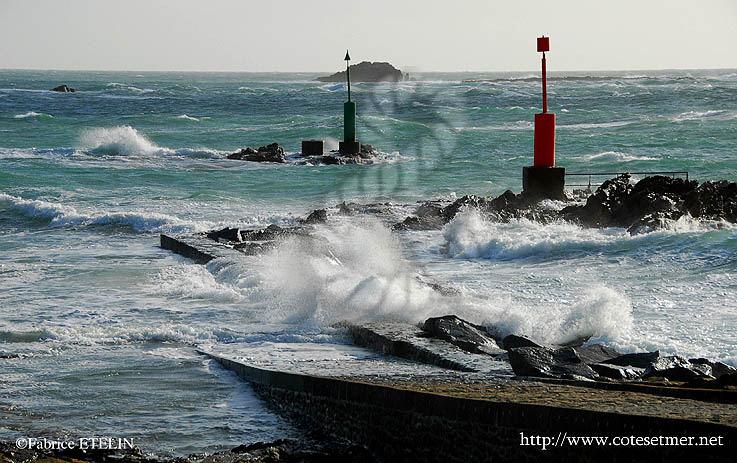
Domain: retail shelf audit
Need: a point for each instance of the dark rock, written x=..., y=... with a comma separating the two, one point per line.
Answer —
x=227, y=233
x=469, y=337
x=268, y=153
x=420, y=223
x=718, y=369
x=616, y=372
x=728, y=380
x=317, y=216
x=600, y=207
x=63, y=89
x=347, y=209
x=576, y=341
x=269, y=233
x=513, y=341
x=713, y=200
x=367, y=71
x=596, y=353
x=640, y=360
x=467, y=201
x=429, y=210
x=9, y=356
x=676, y=368
x=549, y=363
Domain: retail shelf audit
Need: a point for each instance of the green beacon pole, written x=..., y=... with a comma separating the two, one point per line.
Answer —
x=349, y=134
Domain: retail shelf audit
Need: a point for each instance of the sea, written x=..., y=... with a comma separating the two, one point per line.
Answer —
x=99, y=326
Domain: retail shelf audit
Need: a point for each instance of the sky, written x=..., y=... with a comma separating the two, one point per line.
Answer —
x=312, y=36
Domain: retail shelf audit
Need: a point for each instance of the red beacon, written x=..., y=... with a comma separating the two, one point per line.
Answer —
x=545, y=121
x=544, y=179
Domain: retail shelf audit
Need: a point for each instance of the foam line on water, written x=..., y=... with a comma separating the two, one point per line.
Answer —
x=62, y=215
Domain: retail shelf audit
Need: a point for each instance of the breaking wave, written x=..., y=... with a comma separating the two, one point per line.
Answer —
x=127, y=141
x=61, y=215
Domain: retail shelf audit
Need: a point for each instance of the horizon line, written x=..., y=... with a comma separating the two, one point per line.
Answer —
x=404, y=72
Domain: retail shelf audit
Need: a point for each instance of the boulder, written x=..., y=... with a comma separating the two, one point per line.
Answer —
x=549, y=363
x=367, y=71
x=675, y=368
x=429, y=209
x=420, y=223
x=268, y=153
x=467, y=201
x=596, y=353
x=317, y=216
x=513, y=341
x=713, y=200
x=616, y=372
x=227, y=233
x=639, y=360
x=267, y=234
x=469, y=337
x=63, y=89
x=718, y=369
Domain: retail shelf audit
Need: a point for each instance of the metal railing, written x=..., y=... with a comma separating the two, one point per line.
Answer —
x=672, y=173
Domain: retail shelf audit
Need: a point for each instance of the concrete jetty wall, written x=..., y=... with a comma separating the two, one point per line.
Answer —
x=404, y=425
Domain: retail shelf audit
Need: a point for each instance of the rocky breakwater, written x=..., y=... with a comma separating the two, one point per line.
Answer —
x=599, y=362
x=647, y=205
x=275, y=153
x=268, y=153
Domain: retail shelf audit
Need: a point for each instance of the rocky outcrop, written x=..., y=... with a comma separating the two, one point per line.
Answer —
x=366, y=155
x=469, y=337
x=650, y=204
x=63, y=89
x=713, y=200
x=367, y=71
x=268, y=153
x=316, y=217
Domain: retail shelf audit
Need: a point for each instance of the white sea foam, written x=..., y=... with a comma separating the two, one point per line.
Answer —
x=189, y=118
x=469, y=235
x=350, y=271
x=61, y=215
x=31, y=115
x=127, y=141
x=714, y=114
x=617, y=157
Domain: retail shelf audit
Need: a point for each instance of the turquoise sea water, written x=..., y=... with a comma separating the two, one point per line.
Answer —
x=105, y=321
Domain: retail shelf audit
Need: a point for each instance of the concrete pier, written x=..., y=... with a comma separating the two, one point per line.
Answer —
x=491, y=420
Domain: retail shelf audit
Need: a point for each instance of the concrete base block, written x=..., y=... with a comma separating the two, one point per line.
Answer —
x=313, y=147
x=349, y=147
x=544, y=182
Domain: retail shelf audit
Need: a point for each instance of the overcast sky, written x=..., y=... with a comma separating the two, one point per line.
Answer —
x=427, y=35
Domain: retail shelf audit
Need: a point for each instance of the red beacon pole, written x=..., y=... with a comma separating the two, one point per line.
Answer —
x=544, y=179
x=545, y=121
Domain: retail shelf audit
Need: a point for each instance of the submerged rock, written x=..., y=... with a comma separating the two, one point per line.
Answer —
x=268, y=153
x=63, y=89
x=469, y=337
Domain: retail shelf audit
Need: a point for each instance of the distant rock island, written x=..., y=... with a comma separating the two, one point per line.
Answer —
x=369, y=72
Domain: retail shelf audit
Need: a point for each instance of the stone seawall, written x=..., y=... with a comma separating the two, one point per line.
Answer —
x=407, y=425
